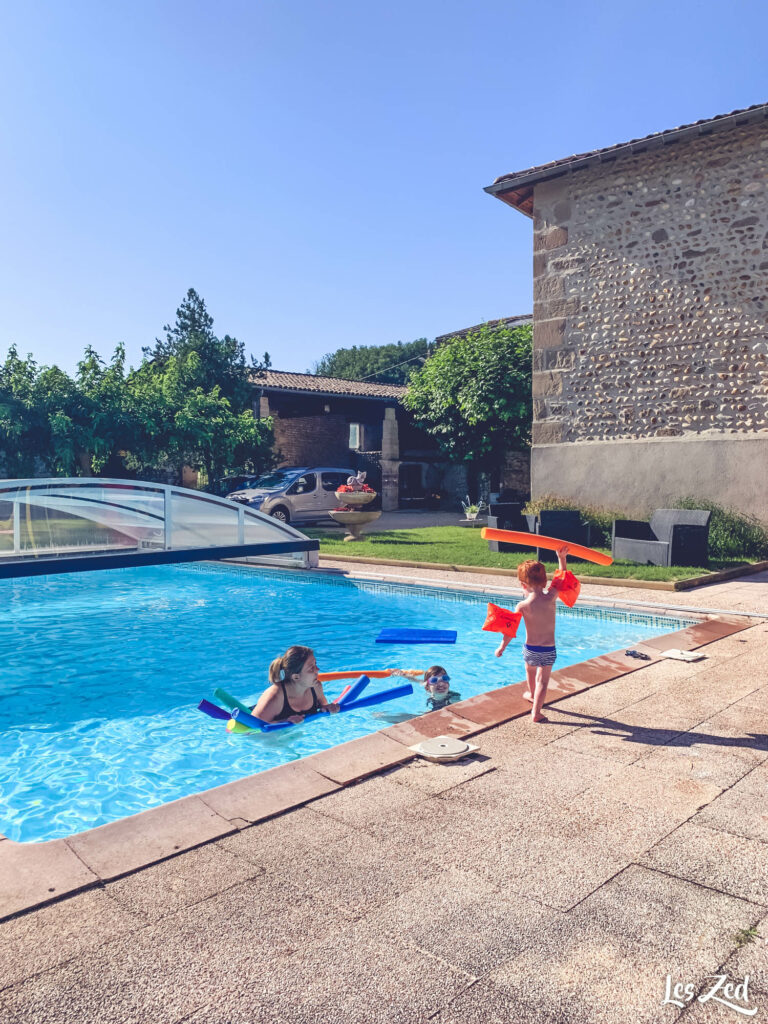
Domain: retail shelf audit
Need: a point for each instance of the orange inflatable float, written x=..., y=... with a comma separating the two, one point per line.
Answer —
x=501, y=620
x=567, y=586
x=537, y=540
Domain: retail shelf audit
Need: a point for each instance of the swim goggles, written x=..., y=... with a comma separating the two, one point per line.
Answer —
x=439, y=679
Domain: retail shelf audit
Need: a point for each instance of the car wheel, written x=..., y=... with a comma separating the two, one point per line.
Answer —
x=281, y=513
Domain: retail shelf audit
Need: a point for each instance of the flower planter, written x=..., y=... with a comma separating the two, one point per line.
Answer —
x=355, y=498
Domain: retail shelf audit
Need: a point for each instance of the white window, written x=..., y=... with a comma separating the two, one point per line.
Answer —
x=355, y=435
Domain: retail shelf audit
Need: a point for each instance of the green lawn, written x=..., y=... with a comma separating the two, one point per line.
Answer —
x=457, y=545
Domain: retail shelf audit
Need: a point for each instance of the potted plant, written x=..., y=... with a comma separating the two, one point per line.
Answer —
x=472, y=510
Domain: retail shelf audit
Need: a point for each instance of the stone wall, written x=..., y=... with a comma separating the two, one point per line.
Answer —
x=650, y=300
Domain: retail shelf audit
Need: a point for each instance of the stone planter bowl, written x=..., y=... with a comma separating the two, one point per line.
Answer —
x=353, y=522
x=355, y=497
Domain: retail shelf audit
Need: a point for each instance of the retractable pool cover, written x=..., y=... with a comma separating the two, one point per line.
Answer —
x=55, y=525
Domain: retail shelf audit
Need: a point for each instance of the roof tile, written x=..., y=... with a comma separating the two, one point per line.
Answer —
x=281, y=380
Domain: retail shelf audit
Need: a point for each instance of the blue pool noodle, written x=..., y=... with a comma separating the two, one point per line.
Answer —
x=395, y=635
x=213, y=710
x=364, y=702
x=354, y=691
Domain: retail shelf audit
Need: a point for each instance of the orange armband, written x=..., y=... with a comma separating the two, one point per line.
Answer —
x=567, y=586
x=501, y=620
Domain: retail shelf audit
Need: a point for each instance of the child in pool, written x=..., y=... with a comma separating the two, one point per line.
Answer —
x=435, y=680
x=538, y=611
x=295, y=690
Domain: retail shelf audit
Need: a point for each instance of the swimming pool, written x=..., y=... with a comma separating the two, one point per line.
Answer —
x=102, y=672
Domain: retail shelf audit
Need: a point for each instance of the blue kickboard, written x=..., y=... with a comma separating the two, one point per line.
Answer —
x=416, y=636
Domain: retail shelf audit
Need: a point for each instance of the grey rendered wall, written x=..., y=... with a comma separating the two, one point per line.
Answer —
x=638, y=476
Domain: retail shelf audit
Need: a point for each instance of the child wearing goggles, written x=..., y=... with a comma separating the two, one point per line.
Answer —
x=436, y=683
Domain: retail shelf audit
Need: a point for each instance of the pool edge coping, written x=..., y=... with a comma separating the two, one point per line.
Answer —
x=38, y=874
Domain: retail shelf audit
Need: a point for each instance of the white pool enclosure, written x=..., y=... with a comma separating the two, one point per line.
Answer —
x=71, y=524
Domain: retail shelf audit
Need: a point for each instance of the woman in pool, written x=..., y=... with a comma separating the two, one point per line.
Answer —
x=295, y=690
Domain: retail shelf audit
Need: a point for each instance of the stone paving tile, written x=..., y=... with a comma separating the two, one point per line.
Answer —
x=752, y=959
x=55, y=934
x=183, y=961
x=432, y=778
x=757, y=699
x=742, y=723
x=618, y=693
x=714, y=858
x=506, y=742
x=463, y=919
x=551, y=774
x=35, y=873
x=141, y=839
x=327, y=983
x=614, y=739
x=368, y=803
x=293, y=834
x=742, y=809
x=710, y=753
x=483, y=1003
x=179, y=882
x=613, y=952
x=608, y=823
x=355, y=871
x=556, y=872
x=640, y=787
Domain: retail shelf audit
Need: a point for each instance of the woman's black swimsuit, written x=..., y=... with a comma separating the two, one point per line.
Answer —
x=286, y=711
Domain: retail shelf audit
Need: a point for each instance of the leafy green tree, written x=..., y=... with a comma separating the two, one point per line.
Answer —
x=194, y=426
x=474, y=394
x=24, y=429
x=381, y=364
x=188, y=403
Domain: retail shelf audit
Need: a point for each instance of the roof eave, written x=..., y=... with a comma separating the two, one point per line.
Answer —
x=516, y=190
x=326, y=394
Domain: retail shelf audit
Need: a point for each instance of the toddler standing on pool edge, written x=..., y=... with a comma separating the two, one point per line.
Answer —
x=538, y=610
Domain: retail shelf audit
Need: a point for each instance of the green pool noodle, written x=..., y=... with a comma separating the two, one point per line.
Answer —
x=230, y=702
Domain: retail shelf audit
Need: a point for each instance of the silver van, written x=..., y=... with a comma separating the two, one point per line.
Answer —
x=294, y=494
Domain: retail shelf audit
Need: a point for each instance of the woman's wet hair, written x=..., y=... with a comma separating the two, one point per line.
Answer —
x=288, y=664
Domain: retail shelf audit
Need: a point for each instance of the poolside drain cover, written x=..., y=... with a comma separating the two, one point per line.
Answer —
x=444, y=748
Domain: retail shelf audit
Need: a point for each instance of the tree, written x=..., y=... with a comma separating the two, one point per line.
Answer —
x=221, y=361
x=194, y=426
x=474, y=394
x=382, y=364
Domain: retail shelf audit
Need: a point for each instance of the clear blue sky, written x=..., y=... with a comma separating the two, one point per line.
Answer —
x=314, y=168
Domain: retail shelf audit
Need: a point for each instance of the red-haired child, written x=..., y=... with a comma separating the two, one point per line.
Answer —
x=538, y=611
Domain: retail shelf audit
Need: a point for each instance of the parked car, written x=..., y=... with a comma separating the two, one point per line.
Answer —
x=294, y=494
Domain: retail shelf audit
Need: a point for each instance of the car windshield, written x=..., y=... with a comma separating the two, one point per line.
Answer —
x=278, y=478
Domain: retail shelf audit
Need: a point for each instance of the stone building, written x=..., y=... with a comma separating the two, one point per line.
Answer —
x=650, y=272
x=330, y=421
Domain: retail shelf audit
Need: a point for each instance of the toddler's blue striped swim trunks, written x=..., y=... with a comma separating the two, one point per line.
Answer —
x=539, y=656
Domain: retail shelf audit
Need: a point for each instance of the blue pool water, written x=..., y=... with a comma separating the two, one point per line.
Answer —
x=101, y=673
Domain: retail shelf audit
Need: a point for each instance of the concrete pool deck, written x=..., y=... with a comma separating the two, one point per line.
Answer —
x=455, y=892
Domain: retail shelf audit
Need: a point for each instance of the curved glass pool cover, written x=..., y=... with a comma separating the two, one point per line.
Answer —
x=71, y=524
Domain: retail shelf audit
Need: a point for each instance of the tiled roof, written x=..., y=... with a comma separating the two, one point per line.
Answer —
x=507, y=321
x=517, y=189
x=309, y=383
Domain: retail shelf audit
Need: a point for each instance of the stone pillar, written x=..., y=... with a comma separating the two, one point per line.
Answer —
x=390, y=461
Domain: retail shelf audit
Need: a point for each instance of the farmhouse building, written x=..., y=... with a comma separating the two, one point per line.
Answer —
x=650, y=269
